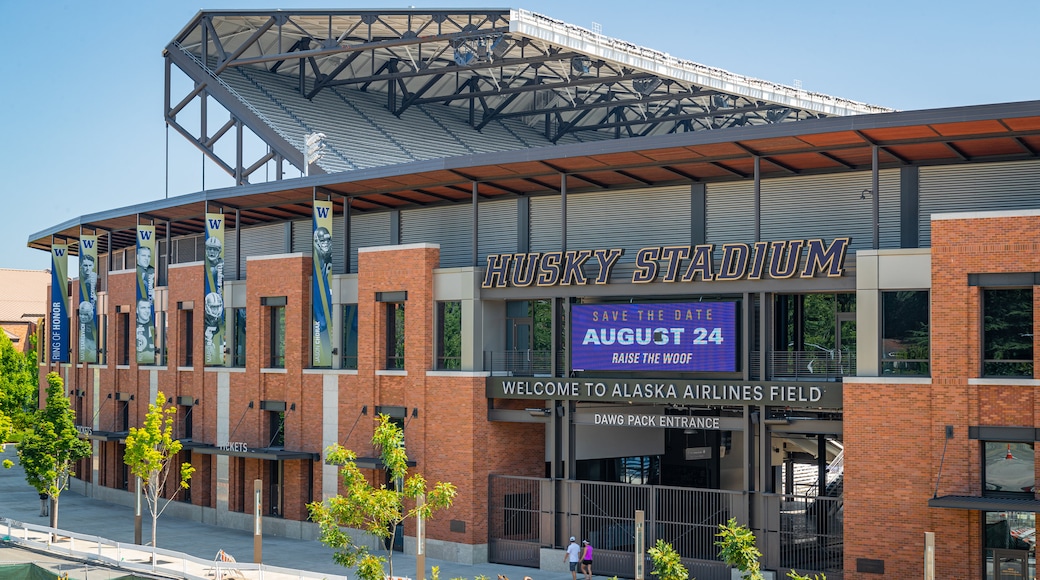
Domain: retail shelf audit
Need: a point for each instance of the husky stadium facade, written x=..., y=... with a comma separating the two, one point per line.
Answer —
x=588, y=279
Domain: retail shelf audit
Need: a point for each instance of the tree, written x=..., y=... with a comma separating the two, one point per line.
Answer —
x=48, y=451
x=737, y=548
x=150, y=451
x=376, y=510
x=17, y=383
x=667, y=563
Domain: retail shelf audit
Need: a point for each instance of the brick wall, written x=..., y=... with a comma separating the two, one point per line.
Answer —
x=895, y=434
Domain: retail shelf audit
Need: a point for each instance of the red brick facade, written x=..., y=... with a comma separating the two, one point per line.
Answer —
x=448, y=436
x=895, y=434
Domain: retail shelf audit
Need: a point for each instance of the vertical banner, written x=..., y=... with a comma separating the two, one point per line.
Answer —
x=88, y=330
x=321, y=294
x=145, y=307
x=59, y=323
x=213, y=317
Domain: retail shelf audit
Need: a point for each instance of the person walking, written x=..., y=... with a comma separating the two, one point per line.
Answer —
x=586, y=559
x=572, y=557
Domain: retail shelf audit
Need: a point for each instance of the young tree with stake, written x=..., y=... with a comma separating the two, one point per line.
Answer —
x=48, y=451
x=150, y=451
x=377, y=510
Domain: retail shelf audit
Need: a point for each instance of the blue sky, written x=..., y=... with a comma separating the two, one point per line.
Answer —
x=82, y=91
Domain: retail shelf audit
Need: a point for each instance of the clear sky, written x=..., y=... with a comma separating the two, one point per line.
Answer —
x=81, y=94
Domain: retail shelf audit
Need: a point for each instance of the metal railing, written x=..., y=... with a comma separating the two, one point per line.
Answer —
x=522, y=520
x=811, y=535
x=521, y=363
x=136, y=558
x=805, y=365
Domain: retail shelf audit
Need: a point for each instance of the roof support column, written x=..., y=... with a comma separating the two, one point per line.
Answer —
x=563, y=212
x=758, y=198
x=874, y=185
x=346, y=234
x=238, y=244
x=476, y=224
x=239, y=174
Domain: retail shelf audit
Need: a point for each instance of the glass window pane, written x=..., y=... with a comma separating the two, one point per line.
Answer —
x=1008, y=332
x=349, y=344
x=905, y=343
x=240, y=338
x=1008, y=468
x=449, y=339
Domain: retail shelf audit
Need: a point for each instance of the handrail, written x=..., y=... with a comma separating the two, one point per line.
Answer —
x=134, y=557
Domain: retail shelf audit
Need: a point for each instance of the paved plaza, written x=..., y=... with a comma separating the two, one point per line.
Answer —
x=197, y=541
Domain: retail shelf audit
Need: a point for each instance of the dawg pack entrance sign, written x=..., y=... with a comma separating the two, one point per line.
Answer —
x=777, y=260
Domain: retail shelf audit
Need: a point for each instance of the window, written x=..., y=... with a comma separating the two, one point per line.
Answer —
x=449, y=335
x=276, y=428
x=124, y=338
x=1007, y=469
x=187, y=340
x=395, y=335
x=349, y=340
x=276, y=320
x=238, y=359
x=161, y=352
x=905, y=346
x=1008, y=549
x=1007, y=335
x=186, y=420
x=102, y=339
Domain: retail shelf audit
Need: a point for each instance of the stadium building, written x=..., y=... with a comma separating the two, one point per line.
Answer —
x=590, y=280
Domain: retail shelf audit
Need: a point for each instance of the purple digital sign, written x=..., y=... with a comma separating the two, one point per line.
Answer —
x=690, y=337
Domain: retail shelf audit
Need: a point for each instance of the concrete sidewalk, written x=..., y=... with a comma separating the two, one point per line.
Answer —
x=76, y=513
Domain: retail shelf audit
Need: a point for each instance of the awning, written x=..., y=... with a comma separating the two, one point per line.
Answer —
x=104, y=435
x=373, y=463
x=986, y=504
x=259, y=453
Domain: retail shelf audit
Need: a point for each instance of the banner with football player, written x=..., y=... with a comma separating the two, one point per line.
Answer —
x=88, y=329
x=213, y=314
x=58, y=333
x=145, y=306
x=321, y=294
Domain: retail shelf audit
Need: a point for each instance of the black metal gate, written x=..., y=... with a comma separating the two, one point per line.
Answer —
x=529, y=514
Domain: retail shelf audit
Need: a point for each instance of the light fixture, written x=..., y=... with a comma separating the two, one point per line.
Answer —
x=292, y=407
x=581, y=64
x=538, y=411
x=250, y=404
x=646, y=86
x=863, y=194
x=335, y=351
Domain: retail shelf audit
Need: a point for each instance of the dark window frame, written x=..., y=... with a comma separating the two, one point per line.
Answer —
x=908, y=361
x=395, y=335
x=999, y=366
x=449, y=339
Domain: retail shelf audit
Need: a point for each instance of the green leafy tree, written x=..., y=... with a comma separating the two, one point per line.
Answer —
x=667, y=563
x=796, y=576
x=150, y=453
x=376, y=510
x=50, y=449
x=736, y=545
x=18, y=385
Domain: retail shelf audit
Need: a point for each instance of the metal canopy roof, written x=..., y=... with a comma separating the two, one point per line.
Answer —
x=495, y=64
x=985, y=133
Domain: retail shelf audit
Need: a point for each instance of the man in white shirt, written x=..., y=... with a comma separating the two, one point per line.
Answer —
x=572, y=556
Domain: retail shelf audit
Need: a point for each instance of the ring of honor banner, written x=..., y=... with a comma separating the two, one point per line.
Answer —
x=213, y=315
x=88, y=329
x=59, y=328
x=145, y=306
x=321, y=294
